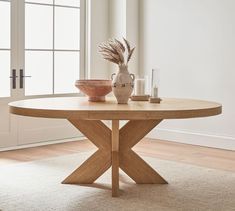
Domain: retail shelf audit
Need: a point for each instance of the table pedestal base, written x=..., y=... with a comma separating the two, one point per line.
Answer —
x=114, y=149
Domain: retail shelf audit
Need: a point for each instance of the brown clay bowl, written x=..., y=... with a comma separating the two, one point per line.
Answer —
x=96, y=90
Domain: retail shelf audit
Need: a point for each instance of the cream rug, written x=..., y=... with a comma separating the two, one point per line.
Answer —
x=35, y=186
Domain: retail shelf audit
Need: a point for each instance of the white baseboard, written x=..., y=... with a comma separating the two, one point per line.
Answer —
x=206, y=140
x=79, y=138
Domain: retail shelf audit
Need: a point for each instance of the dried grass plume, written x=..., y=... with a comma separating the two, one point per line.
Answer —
x=117, y=52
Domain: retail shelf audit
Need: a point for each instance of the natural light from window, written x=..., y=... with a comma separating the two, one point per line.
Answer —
x=52, y=46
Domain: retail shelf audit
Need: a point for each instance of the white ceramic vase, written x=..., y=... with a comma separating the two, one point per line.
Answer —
x=122, y=84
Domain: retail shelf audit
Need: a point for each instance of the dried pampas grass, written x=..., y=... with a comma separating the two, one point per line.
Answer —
x=115, y=51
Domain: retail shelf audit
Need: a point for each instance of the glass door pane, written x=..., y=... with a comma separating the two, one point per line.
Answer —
x=38, y=65
x=67, y=28
x=5, y=37
x=66, y=72
x=52, y=46
x=5, y=74
x=38, y=48
x=5, y=26
x=38, y=26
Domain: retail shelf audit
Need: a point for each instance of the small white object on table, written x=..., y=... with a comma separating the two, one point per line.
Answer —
x=140, y=87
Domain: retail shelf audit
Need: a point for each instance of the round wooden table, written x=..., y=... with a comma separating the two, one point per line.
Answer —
x=115, y=144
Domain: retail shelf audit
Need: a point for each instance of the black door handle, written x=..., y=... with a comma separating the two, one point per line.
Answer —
x=22, y=76
x=13, y=76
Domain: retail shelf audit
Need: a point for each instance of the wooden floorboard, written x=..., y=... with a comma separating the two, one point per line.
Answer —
x=195, y=155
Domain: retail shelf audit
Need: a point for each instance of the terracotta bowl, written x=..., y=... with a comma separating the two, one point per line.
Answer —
x=95, y=89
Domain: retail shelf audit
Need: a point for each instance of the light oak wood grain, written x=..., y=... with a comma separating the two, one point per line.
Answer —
x=115, y=173
x=96, y=131
x=115, y=158
x=114, y=144
x=137, y=169
x=91, y=169
x=100, y=135
x=134, y=131
x=80, y=108
x=134, y=166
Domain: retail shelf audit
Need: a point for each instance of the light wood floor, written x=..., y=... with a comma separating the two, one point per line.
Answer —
x=196, y=155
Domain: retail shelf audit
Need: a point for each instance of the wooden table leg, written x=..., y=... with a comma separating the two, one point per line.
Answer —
x=132, y=164
x=115, y=149
x=100, y=135
x=115, y=158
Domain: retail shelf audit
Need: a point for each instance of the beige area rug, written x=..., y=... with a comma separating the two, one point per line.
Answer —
x=35, y=186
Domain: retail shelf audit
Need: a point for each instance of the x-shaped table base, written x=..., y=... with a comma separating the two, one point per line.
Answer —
x=114, y=149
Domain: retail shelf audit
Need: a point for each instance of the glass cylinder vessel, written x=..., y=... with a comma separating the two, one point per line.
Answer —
x=155, y=82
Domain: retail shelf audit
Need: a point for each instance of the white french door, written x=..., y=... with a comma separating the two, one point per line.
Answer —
x=8, y=68
x=41, y=55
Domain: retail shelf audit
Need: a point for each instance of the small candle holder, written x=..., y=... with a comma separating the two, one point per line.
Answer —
x=154, y=86
x=140, y=90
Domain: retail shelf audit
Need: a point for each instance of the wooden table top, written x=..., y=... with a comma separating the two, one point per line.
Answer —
x=79, y=107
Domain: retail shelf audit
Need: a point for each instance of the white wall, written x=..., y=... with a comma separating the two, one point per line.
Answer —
x=111, y=19
x=193, y=42
x=117, y=18
x=124, y=22
x=98, y=31
x=132, y=33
